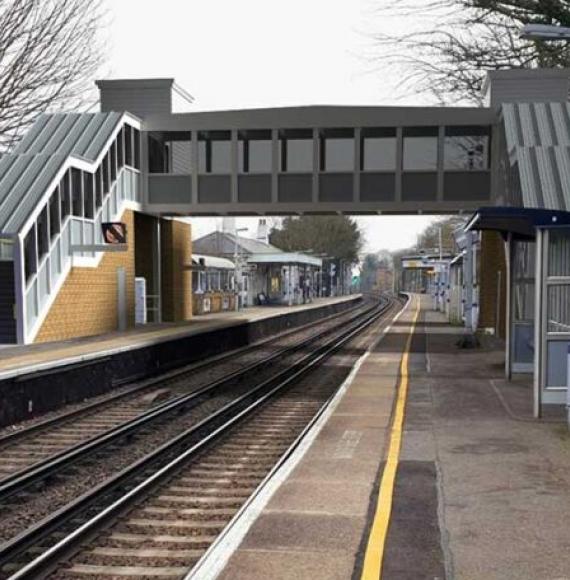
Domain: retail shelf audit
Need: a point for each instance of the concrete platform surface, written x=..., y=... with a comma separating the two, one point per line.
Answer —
x=39, y=356
x=313, y=526
x=482, y=491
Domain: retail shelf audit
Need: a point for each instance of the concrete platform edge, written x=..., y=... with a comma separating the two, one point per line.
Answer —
x=218, y=555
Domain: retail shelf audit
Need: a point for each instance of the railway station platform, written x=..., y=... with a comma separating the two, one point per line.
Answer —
x=31, y=358
x=427, y=465
x=35, y=379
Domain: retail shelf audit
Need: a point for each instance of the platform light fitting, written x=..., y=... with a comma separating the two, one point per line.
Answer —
x=545, y=32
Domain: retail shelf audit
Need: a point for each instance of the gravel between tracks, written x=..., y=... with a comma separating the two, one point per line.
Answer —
x=27, y=508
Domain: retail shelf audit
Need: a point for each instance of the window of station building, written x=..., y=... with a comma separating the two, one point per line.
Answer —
x=378, y=149
x=30, y=255
x=121, y=148
x=113, y=161
x=98, y=189
x=137, y=148
x=420, y=149
x=43, y=233
x=129, y=145
x=106, y=174
x=215, y=152
x=337, y=150
x=466, y=148
x=54, y=221
x=255, y=152
x=65, y=195
x=296, y=150
x=88, y=196
x=76, y=193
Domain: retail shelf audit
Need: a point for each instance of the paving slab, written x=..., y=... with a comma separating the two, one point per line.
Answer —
x=314, y=524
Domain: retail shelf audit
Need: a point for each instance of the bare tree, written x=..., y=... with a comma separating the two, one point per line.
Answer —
x=49, y=53
x=457, y=41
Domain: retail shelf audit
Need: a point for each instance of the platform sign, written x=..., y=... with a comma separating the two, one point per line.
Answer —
x=114, y=232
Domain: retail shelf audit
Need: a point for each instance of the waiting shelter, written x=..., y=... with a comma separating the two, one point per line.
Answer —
x=538, y=295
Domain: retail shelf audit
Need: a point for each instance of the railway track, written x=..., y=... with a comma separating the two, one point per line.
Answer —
x=28, y=455
x=159, y=519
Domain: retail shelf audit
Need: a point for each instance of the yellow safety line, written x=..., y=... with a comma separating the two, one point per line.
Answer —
x=373, y=558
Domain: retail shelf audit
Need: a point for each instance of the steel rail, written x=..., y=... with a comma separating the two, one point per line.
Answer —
x=65, y=548
x=39, y=471
x=147, y=382
x=43, y=529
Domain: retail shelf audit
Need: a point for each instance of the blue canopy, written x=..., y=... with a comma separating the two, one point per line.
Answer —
x=521, y=222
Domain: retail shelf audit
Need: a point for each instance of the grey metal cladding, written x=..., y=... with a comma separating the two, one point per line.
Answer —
x=538, y=139
x=419, y=186
x=254, y=188
x=31, y=135
x=295, y=188
x=336, y=187
x=467, y=185
x=214, y=189
x=26, y=173
x=321, y=117
x=379, y=187
x=178, y=189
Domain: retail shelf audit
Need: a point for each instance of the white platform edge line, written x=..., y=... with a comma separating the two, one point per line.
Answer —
x=18, y=371
x=211, y=565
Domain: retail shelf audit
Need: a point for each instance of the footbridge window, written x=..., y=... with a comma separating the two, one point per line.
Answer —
x=170, y=152
x=378, y=163
x=296, y=151
x=420, y=164
x=215, y=152
x=420, y=148
x=337, y=150
x=466, y=148
x=378, y=149
x=255, y=152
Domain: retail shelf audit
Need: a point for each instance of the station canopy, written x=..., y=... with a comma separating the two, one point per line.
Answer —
x=522, y=223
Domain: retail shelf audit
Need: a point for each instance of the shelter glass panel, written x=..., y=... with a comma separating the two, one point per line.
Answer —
x=559, y=253
x=420, y=149
x=558, y=297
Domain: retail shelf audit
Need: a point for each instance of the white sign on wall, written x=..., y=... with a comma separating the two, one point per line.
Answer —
x=140, y=300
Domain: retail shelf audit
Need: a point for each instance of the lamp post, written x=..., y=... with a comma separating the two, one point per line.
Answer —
x=236, y=268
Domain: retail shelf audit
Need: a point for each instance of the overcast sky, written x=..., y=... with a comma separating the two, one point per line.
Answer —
x=262, y=53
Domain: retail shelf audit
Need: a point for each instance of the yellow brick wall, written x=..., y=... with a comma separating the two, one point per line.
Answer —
x=87, y=302
x=176, y=241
